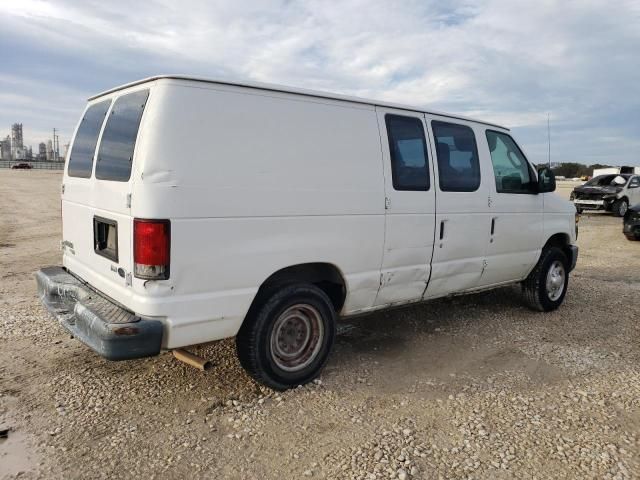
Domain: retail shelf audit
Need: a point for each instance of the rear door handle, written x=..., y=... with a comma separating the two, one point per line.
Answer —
x=493, y=225
x=441, y=229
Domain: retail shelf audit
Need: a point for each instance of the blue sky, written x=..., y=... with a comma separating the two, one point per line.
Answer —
x=499, y=60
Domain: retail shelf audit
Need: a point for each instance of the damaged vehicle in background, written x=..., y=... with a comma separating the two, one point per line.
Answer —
x=613, y=193
x=631, y=223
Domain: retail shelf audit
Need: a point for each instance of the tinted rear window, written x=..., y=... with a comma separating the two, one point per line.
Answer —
x=84, y=145
x=119, y=138
x=458, y=165
x=408, y=149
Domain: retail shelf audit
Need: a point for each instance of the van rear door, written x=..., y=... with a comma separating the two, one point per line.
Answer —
x=96, y=197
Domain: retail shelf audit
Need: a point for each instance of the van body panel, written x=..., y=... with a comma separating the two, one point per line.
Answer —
x=306, y=157
x=235, y=256
x=559, y=217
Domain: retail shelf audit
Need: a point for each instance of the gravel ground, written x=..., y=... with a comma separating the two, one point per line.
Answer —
x=467, y=387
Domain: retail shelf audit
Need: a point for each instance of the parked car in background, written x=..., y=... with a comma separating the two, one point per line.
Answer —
x=21, y=166
x=303, y=207
x=613, y=193
x=616, y=170
x=631, y=223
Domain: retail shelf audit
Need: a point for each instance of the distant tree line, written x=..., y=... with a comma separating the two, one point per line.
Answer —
x=572, y=170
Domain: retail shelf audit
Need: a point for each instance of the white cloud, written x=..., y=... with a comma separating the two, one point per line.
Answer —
x=509, y=62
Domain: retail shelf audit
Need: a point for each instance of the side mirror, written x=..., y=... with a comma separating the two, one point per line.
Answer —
x=546, y=180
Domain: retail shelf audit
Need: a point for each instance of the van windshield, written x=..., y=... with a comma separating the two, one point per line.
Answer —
x=115, y=154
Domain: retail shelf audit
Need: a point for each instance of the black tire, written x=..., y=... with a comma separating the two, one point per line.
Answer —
x=579, y=210
x=276, y=309
x=620, y=207
x=534, y=287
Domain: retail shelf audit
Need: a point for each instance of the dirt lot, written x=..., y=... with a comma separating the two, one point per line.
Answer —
x=468, y=387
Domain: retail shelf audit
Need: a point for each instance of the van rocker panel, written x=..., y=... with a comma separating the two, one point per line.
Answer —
x=107, y=328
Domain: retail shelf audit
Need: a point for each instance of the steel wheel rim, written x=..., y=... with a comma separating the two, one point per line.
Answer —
x=623, y=208
x=296, y=337
x=555, y=280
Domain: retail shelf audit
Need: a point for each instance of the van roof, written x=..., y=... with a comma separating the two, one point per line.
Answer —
x=294, y=90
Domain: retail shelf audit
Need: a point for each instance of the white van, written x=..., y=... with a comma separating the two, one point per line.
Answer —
x=195, y=210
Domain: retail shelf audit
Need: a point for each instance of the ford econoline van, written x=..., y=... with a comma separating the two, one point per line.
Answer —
x=195, y=210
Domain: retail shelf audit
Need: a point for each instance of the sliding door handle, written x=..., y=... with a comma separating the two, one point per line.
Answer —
x=493, y=225
x=441, y=229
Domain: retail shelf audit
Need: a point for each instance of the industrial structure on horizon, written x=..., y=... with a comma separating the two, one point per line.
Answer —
x=12, y=147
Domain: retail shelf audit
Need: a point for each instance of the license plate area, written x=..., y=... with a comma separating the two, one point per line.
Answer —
x=105, y=238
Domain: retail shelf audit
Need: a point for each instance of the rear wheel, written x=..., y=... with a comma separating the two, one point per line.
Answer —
x=286, y=339
x=619, y=207
x=546, y=286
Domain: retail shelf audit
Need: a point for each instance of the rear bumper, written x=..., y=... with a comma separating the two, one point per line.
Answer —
x=110, y=330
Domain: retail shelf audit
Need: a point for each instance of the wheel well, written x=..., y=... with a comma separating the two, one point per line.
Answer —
x=562, y=241
x=325, y=276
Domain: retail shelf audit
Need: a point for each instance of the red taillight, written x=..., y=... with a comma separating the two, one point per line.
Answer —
x=151, y=243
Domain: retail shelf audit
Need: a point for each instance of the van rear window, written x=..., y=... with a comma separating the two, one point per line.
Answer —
x=115, y=154
x=84, y=145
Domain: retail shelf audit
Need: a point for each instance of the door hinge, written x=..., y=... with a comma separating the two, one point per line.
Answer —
x=127, y=279
x=387, y=203
x=128, y=200
x=484, y=267
x=489, y=201
x=63, y=188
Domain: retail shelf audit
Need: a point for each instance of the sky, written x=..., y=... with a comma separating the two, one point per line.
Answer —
x=504, y=61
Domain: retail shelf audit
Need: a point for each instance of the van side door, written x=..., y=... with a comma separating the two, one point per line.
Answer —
x=409, y=207
x=461, y=207
x=516, y=228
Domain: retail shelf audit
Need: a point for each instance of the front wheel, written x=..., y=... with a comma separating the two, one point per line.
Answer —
x=546, y=286
x=286, y=339
x=620, y=207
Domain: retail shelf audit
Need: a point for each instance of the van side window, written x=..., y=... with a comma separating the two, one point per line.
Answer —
x=635, y=182
x=115, y=154
x=84, y=145
x=458, y=165
x=510, y=167
x=408, y=149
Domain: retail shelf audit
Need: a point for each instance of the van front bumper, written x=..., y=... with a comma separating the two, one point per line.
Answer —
x=109, y=329
x=573, y=249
